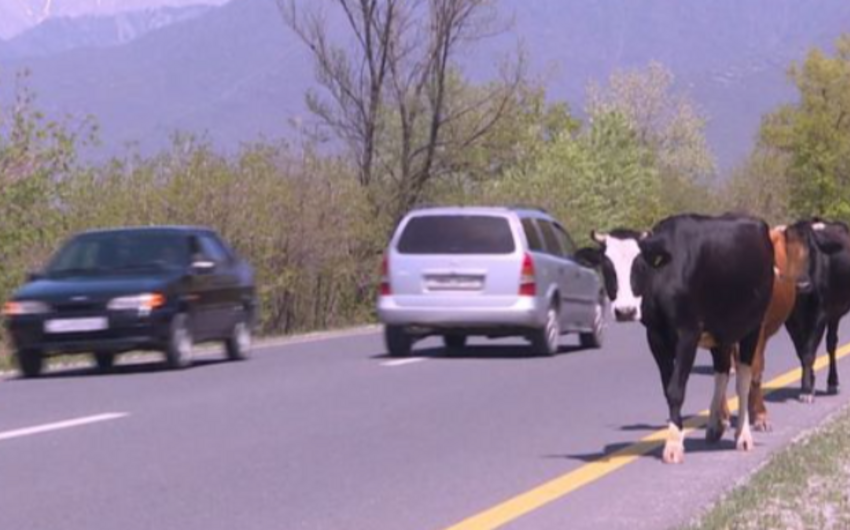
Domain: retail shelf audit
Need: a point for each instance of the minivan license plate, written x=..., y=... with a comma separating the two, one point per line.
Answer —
x=454, y=283
x=76, y=325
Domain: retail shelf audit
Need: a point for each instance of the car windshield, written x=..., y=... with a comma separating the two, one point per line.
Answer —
x=457, y=234
x=118, y=252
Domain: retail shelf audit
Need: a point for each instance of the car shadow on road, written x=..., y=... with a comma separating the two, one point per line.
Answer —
x=138, y=368
x=483, y=352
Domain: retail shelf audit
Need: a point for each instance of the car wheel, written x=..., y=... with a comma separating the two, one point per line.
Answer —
x=398, y=341
x=547, y=340
x=594, y=339
x=104, y=360
x=178, y=353
x=30, y=363
x=238, y=345
x=454, y=342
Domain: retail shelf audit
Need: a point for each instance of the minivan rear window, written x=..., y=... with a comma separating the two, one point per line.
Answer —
x=457, y=234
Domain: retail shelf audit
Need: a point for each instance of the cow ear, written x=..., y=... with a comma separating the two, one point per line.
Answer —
x=599, y=237
x=589, y=257
x=654, y=252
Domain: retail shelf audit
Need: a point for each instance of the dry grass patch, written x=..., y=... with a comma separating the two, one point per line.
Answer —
x=806, y=486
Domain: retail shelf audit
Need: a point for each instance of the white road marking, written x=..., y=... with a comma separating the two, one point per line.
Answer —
x=79, y=422
x=402, y=362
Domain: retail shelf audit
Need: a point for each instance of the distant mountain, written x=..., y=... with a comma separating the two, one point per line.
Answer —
x=17, y=16
x=235, y=72
x=61, y=34
x=238, y=72
x=731, y=56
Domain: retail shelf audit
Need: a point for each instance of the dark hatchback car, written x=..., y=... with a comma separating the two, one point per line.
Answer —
x=108, y=292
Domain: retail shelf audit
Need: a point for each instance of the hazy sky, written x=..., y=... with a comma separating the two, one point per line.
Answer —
x=19, y=15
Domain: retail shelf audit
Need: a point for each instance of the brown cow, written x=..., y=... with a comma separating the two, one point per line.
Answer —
x=791, y=256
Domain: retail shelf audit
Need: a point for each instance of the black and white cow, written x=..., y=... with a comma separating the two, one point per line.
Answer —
x=819, y=308
x=693, y=281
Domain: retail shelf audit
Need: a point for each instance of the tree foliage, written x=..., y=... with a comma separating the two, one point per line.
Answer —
x=667, y=123
x=814, y=134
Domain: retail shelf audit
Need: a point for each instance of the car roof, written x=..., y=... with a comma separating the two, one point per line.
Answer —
x=150, y=228
x=524, y=211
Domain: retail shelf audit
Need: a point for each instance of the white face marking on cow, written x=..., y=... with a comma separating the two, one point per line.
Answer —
x=622, y=253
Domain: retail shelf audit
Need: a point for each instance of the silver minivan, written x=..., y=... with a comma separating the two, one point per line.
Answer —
x=487, y=271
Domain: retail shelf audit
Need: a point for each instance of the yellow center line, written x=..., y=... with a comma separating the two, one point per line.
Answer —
x=557, y=488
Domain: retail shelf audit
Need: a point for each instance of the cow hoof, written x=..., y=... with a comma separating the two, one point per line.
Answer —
x=674, y=453
x=807, y=399
x=762, y=425
x=745, y=442
x=833, y=390
x=714, y=434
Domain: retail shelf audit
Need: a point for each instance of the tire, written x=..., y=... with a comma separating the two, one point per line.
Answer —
x=178, y=351
x=104, y=360
x=547, y=340
x=238, y=345
x=30, y=363
x=454, y=342
x=399, y=342
x=595, y=338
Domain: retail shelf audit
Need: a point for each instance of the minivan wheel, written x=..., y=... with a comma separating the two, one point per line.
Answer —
x=104, y=360
x=398, y=341
x=178, y=353
x=547, y=340
x=238, y=345
x=30, y=362
x=594, y=339
x=454, y=342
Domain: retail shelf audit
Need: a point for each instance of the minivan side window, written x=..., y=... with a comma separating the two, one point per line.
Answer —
x=565, y=239
x=535, y=244
x=553, y=246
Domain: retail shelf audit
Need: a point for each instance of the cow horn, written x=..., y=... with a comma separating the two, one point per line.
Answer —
x=781, y=228
x=598, y=237
x=645, y=235
x=818, y=226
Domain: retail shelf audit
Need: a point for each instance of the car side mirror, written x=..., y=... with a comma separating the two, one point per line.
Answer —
x=203, y=266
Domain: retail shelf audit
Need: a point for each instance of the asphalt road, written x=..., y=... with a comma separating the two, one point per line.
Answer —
x=331, y=434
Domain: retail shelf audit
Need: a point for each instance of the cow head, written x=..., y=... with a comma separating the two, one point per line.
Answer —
x=619, y=252
x=791, y=252
x=822, y=240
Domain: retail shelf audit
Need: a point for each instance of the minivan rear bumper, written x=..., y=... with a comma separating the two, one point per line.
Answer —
x=522, y=313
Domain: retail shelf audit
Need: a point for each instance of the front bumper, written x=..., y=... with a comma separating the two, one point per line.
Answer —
x=127, y=330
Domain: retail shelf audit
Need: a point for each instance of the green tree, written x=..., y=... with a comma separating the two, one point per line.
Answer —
x=603, y=177
x=668, y=124
x=814, y=134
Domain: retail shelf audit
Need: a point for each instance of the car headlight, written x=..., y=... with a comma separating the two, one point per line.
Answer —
x=25, y=307
x=139, y=302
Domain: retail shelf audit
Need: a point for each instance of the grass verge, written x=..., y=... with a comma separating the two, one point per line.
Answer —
x=805, y=486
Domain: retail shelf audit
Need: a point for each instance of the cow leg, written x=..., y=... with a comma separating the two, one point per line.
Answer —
x=758, y=410
x=807, y=334
x=686, y=350
x=831, y=346
x=718, y=421
x=748, y=346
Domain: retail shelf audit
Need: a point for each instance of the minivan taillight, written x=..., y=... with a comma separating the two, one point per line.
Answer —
x=386, y=290
x=527, y=285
